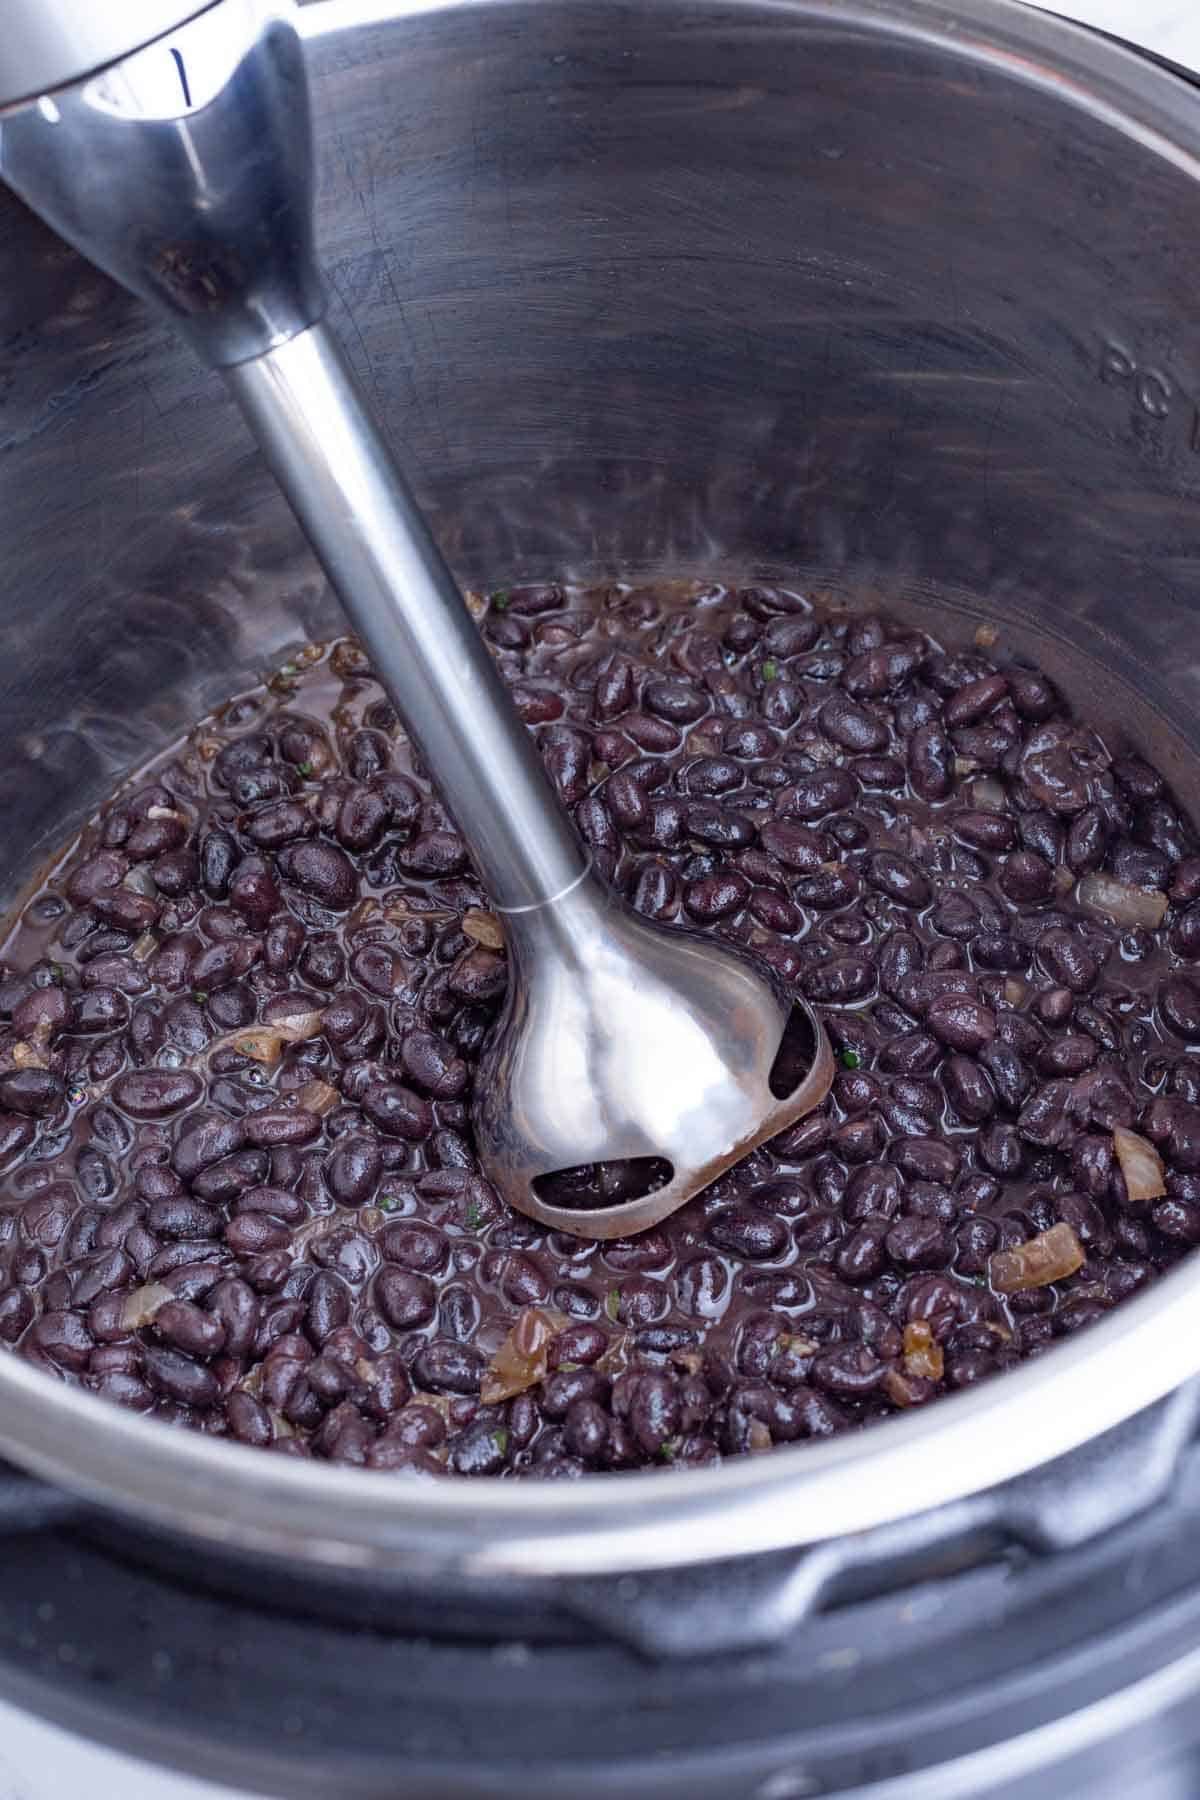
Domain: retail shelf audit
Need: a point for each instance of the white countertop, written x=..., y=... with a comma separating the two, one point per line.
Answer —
x=38, y=1762
x=1171, y=27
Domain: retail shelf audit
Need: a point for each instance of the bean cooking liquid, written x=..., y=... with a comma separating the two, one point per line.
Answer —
x=239, y=1023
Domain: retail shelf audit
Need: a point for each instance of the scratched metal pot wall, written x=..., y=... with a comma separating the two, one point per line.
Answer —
x=687, y=287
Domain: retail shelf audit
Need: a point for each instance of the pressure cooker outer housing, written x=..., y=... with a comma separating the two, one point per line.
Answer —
x=891, y=299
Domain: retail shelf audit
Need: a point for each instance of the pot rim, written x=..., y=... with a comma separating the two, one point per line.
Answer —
x=347, y=1520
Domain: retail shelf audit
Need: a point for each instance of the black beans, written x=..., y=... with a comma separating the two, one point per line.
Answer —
x=397, y=1111
x=716, y=896
x=975, y=700
x=798, y=784
x=353, y=1171
x=918, y=1243
x=322, y=871
x=34, y=1092
x=1068, y=960
x=654, y=1411
x=852, y=725
x=446, y=1367
x=179, y=1377
x=968, y=1089
x=961, y=1022
x=235, y=1305
x=1179, y=1004
x=249, y=1420
x=755, y=1236
x=985, y=830
x=899, y=878
x=840, y=980
x=204, y=1142
x=157, y=1093
x=183, y=1217
x=187, y=1327
x=218, y=859
x=816, y=795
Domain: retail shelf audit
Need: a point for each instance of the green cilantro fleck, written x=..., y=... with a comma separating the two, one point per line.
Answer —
x=770, y=669
x=288, y=668
x=612, y=1304
x=305, y=768
x=667, y=1449
x=199, y=996
x=388, y=1202
x=58, y=973
x=499, y=599
x=474, y=1216
x=850, y=1059
x=568, y=1368
x=500, y=1439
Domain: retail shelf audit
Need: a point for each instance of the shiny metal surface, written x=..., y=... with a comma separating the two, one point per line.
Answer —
x=636, y=1047
x=46, y=46
x=185, y=172
x=303, y=405
x=621, y=1039
x=344, y=486
x=885, y=296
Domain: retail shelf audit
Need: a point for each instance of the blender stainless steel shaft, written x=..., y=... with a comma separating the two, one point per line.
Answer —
x=184, y=169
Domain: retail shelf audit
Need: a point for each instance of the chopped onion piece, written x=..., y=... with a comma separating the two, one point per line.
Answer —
x=988, y=794
x=142, y=1304
x=1050, y=1256
x=438, y=1403
x=1016, y=991
x=261, y=1045
x=1141, y=1165
x=986, y=635
x=283, y=1429
x=1123, y=904
x=318, y=1097
x=144, y=947
x=922, y=1354
x=294, y=1027
x=758, y=1436
x=1064, y=881
x=903, y=1389
x=965, y=765
x=264, y=1043
x=404, y=907
x=29, y=1056
x=483, y=927
x=166, y=812
x=521, y=1360
x=139, y=880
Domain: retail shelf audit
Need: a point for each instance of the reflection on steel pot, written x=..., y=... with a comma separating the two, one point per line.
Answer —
x=887, y=296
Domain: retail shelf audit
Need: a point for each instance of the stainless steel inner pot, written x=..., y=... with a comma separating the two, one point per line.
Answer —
x=885, y=296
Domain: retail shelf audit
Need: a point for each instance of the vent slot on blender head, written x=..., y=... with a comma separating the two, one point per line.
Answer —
x=592, y=1187
x=795, y=1055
